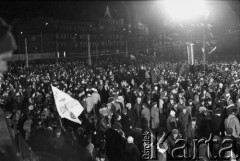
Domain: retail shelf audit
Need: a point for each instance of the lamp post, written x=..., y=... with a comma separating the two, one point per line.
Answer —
x=187, y=10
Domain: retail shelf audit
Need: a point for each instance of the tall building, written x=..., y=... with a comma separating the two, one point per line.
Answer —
x=48, y=36
x=111, y=34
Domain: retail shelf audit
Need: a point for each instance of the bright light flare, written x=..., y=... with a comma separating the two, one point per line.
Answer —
x=185, y=9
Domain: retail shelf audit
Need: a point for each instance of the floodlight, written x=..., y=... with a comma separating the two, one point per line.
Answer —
x=180, y=10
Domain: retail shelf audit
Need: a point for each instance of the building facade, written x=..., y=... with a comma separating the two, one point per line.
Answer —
x=58, y=36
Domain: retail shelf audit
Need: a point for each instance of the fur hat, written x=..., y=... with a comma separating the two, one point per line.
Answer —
x=175, y=131
x=128, y=105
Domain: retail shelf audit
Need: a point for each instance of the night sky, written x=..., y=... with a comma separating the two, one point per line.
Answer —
x=222, y=13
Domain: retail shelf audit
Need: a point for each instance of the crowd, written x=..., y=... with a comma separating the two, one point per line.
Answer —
x=122, y=100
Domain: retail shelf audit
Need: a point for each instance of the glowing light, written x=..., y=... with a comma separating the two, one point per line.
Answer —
x=185, y=9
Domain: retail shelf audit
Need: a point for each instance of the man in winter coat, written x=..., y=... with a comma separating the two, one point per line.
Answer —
x=155, y=116
x=131, y=151
x=191, y=133
x=232, y=122
x=125, y=121
x=171, y=141
x=89, y=102
x=137, y=109
x=114, y=144
x=145, y=114
x=130, y=114
x=172, y=121
x=96, y=100
x=218, y=123
x=184, y=119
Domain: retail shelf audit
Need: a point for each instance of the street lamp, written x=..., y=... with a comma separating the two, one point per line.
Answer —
x=187, y=11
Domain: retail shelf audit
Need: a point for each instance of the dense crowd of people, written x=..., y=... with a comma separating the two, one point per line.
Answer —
x=122, y=100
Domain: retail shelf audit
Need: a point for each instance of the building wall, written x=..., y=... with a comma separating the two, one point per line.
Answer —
x=107, y=36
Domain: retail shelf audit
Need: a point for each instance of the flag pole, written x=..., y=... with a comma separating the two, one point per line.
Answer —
x=59, y=117
x=60, y=120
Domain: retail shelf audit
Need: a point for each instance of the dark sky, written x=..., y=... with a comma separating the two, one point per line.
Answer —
x=222, y=13
x=61, y=9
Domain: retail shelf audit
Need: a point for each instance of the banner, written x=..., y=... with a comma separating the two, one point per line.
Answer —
x=67, y=107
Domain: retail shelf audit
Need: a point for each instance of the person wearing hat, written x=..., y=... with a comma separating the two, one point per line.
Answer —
x=172, y=139
x=228, y=136
x=190, y=107
x=170, y=105
x=232, y=122
x=184, y=119
x=114, y=143
x=96, y=100
x=210, y=104
x=116, y=121
x=118, y=103
x=57, y=140
x=131, y=152
x=103, y=122
x=125, y=121
x=89, y=102
x=201, y=121
x=131, y=114
x=172, y=121
x=191, y=133
x=196, y=105
x=121, y=99
x=111, y=105
x=218, y=123
x=137, y=110
x=155, y=116
x=161, y=101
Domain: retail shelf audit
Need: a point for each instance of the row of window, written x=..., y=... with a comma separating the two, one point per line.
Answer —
x=84, y=36
x=85, y=44
x=112, y=21
x=95, y=52
x=81, y=28
x=75, y=36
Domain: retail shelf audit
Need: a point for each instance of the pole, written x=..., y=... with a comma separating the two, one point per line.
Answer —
x=204, y=52
x=126, y=48
x=89, y=52
x=57, y=53
x=26, y=52
x=204, y=40
x=121, y=43
x=147, y=44
x=96, y=51
x=41, y=43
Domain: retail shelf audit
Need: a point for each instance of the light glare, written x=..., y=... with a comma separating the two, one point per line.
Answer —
x=185, y=9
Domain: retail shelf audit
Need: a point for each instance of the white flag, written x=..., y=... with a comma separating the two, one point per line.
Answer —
x=67, y=107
